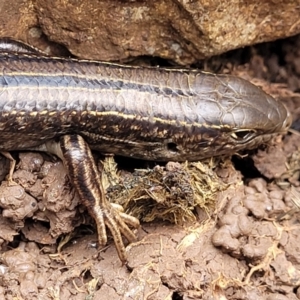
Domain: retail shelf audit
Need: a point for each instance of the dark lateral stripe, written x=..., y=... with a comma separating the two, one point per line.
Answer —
x=73, y=81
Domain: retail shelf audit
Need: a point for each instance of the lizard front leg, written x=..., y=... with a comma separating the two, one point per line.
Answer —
x=86, y=179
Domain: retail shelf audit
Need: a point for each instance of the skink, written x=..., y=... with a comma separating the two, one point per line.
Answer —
x=68, y=107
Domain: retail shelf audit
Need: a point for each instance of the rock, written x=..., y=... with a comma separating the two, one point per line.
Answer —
x=182, y=31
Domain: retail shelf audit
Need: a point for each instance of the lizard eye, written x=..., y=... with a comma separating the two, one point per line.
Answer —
x=243, y=135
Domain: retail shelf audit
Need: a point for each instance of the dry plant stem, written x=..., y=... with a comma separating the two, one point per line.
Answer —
x=12, y=166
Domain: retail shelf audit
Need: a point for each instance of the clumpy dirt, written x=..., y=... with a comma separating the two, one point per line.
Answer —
x=220, y=229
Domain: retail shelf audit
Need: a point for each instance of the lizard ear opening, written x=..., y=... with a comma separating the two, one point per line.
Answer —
x=172, y=147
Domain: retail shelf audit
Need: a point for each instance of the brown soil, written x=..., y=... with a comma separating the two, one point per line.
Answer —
x=235, y=235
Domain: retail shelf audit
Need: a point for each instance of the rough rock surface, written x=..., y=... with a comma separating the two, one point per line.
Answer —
x=177, y=30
